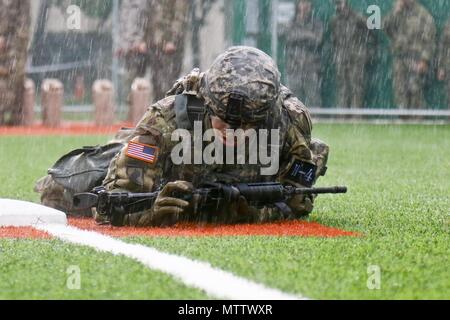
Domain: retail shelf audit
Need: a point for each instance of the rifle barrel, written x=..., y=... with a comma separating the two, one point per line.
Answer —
x=334, y=190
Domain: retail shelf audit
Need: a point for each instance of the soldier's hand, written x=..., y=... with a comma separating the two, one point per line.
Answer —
x=166, y=205
x=169, y=48
x=399, y=6
x=422, y=66
x=142, y=48
x=244, y=209
x=441, y=75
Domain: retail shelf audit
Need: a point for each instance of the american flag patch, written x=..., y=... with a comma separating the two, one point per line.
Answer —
x=142, y=152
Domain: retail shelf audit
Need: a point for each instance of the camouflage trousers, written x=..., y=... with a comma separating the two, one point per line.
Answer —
x=350, y=84
x=447, y=92
x=136, y=67
x=408, y=85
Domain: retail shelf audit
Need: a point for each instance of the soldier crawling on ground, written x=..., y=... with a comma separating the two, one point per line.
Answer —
x=241, y=90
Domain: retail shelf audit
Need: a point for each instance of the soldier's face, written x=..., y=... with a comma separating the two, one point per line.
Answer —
x=341, y=5
x=404, y=3
x=222, y=127
x=304, y=8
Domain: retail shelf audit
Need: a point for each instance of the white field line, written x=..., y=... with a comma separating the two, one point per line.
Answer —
x=215, y=282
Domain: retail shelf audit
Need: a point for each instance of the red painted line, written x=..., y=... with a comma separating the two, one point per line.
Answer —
x=22, y=233
x=284, y=228
x=279, y=229
x=68, y=128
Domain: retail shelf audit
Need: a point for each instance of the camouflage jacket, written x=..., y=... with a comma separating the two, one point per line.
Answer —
x=155, y=131
x=444, y=49
x=303, y=43
x=351, y=38
x=132, y=22
x=153, y=22
x=412, y=33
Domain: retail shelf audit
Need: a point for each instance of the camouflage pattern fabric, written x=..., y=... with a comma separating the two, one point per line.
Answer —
x=245, y=71
x=168, y=24
x=288, y=114
x=353, y=47
x=412, y=33
x=304, y=40
x=154, y=24
x=52, y=194
x=14, y=38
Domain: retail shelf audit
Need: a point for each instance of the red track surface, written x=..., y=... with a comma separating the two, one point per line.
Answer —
x=281, y=229
x=285, y=228
x=75, y=128
x=22, y=233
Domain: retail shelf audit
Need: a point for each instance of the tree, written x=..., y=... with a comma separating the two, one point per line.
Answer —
x=14, y=38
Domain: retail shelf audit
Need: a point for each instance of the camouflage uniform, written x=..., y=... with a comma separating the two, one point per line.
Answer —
x=444, y=57
x=303, y=59
x=132, y=20
x=169, y=23
x=412, y=32
x=286, y=113
x=155, y=23
x=14, y=38
x=352, y=49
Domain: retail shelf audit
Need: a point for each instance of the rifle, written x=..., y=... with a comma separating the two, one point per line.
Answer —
x=210, y=197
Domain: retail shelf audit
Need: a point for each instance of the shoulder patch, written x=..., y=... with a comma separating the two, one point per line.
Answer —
x=142, y=152
x=303, y=173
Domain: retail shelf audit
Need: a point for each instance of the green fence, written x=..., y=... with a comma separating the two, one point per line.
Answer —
x=379, y=87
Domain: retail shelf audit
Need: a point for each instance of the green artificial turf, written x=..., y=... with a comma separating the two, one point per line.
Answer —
x=45, y=270
x=399, y=200
x=25, y=159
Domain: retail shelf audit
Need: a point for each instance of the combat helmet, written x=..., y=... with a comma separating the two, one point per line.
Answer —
x=241, y=86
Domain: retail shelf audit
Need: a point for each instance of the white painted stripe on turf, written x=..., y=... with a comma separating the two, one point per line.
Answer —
x=201, y=275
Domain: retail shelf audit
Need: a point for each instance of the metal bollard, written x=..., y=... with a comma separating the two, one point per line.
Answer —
x=29, y=101
x=103, y=97
x=52, y=102
x=140, y=99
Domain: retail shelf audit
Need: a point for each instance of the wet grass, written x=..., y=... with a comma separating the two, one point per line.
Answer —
x=399, y=199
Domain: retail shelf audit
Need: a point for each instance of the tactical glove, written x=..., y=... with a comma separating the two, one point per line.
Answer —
x=167, y=207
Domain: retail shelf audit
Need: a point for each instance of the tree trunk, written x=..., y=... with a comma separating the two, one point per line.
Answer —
x=14, y=38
